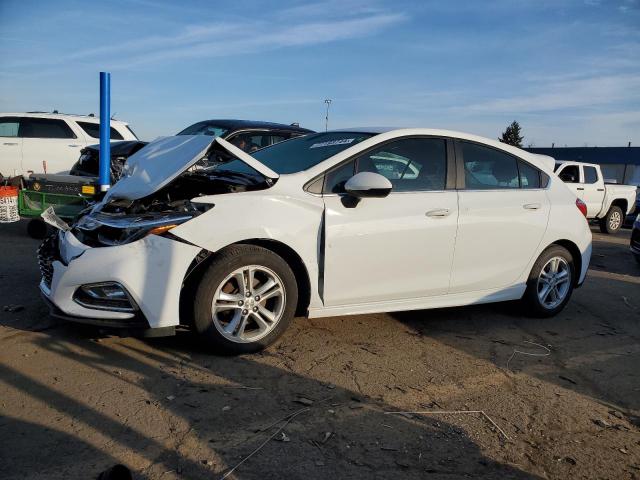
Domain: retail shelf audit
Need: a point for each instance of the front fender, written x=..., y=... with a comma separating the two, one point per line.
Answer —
x=239, y=217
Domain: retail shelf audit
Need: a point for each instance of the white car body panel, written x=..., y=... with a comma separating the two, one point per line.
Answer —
x=157, y=164
x=498, y=233
x=161, y=161
x=59, y=153
x=151, y=269
x=481, y=251
x=393, y=235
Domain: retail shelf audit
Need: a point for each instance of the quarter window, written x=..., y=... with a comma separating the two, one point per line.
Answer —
x=93, y=130
x=45, y=128
x=9, y=127
x=590, y=175
x=336, y=178
x=488, y=169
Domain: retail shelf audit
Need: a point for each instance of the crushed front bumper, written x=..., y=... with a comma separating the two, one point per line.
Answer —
x=151, y=270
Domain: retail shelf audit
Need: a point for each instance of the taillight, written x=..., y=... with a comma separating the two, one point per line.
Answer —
x=582, y=207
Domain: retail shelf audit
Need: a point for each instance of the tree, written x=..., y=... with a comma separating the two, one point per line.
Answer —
x=511, y=135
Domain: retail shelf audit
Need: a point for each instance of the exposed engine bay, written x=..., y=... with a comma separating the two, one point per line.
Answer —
x=116, y=221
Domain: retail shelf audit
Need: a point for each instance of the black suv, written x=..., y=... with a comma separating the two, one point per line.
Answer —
x=245, y=134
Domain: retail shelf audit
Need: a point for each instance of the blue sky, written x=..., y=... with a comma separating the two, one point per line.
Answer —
x=567, y=70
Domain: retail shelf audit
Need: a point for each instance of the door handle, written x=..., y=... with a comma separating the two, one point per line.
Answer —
x=601, y=189
x=10, y=143
x=74, y=145
x=579, y=188
x=531, y=206
x=438, y=212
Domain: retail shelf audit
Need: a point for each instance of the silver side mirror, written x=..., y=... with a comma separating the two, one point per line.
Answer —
x=368, y=184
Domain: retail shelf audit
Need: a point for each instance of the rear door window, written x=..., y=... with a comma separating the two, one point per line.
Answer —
x=487, y=168
x=45, y=128
x=93, y=130
x=590, y=174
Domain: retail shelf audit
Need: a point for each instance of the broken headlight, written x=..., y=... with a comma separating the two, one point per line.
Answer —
x=115, y=229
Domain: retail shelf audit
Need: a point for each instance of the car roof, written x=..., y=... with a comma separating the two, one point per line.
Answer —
x=540, y=161
x=80, y=118
x=233, y=124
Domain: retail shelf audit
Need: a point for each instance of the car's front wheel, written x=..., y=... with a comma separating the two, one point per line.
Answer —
x=245, y=300
x=550, y=282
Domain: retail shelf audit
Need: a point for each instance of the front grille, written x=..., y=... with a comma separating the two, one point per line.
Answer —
x=47, y=253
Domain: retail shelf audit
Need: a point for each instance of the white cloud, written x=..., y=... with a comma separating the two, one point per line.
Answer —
x=288, y=28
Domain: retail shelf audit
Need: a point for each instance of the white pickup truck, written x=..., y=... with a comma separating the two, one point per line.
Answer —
x=608, y=203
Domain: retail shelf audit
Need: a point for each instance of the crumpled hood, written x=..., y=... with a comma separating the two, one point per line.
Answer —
x=161, y=161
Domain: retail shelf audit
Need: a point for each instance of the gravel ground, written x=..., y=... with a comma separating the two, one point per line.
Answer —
x=74, y=402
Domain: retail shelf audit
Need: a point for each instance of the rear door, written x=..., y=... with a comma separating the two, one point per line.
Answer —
x=395, y=248
x=10, y=147
x=503, y=215
x=48, y=144
x=593, y=193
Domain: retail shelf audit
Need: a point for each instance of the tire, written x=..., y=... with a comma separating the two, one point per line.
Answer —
x=612, y=221
x=535, y=284
x=258, y=322
x=37, y=229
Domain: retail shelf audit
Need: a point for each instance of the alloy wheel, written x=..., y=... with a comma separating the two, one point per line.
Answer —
x=615, y=219
x=554, y=282
x=248, y=304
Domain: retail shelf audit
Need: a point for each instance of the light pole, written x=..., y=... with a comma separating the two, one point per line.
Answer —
x=326, y=118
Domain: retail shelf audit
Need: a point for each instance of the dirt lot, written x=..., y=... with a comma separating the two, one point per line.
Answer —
x=74, y=402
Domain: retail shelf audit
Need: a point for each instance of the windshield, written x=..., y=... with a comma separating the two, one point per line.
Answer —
x=299, y=153
x=205, y=128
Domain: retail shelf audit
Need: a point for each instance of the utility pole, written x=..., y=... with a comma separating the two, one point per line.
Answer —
x=326, y=118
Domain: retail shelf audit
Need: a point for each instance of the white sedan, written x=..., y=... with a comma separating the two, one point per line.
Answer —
x=201, y=234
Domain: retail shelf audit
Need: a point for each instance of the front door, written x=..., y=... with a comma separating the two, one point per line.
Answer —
x=395, y=248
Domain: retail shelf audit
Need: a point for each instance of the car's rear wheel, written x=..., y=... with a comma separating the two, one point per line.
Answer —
x=245, y=300
x=612, y=221
x=550, y=282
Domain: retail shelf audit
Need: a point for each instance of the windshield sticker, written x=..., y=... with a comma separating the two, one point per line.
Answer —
x=344, y=141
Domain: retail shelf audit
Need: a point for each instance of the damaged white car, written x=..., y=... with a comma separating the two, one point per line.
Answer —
x=201, y=234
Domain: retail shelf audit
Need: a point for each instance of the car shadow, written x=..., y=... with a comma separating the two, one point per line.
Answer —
x=176, y=411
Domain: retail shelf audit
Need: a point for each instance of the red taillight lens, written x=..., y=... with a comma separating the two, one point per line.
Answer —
x=582, y=207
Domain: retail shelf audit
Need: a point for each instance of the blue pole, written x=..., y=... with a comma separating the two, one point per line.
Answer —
x=104, y=178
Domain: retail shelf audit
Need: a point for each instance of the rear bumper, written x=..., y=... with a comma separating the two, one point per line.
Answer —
x=586, y=258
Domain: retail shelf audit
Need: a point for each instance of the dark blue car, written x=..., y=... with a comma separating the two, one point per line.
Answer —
x=635, y=239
